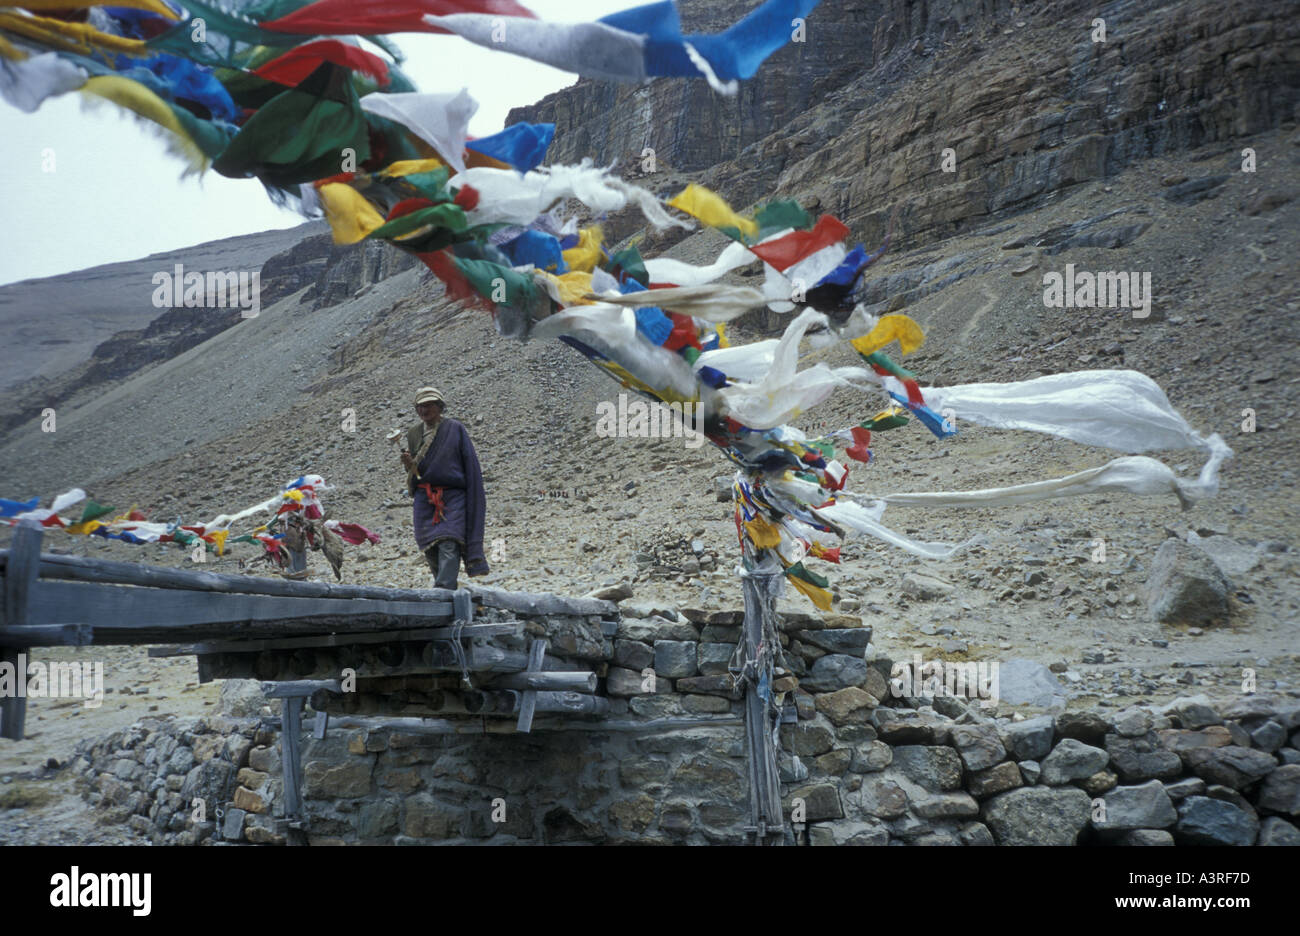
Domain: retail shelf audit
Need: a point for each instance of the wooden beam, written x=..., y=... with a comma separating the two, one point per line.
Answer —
x=536, y=652
x=572, y=702
x=573, y=681
x=299, y=688
x=47, y=635
x=444, y=726
x=536, y=604
x=87, y=569
x=116, y=609
x=21, y=573
x=503, y=629
x=484, y=701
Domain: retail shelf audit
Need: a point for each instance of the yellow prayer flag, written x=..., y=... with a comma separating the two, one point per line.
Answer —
x=151, y=6
x=890, y=328
x=584, y=257
x=818, y=596
x=762, y=533
x=69, y=37
x=711, y=209
x=350, y=215
x=574, y=287
x=406, y=167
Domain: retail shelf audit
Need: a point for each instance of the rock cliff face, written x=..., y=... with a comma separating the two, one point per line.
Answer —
x=689, y=126
x=855, y=120
x=334, y=273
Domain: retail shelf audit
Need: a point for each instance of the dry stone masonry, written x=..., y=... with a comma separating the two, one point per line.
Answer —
x=858, y=764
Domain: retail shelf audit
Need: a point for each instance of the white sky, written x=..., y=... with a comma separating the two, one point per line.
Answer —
x=115, y=194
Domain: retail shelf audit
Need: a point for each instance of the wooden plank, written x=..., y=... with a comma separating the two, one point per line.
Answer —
x=536, y=652
x=87, y=569
x=299, y=687
x=290, y=756
x=534, y=603
x=254, y=645
x=47, y=635
x=444, y=726
x=61, y=602
x=20, y=581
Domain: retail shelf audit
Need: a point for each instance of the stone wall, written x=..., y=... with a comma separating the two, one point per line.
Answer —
x=858, y=764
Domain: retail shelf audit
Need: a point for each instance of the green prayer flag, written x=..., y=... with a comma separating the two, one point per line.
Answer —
x=798, y=571
x=301, y=135
x=630, y=262
x=779, y=215
x=449, y=216
x=94, y=510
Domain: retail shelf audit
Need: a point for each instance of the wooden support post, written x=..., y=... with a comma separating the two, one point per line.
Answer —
x=21, y=572
x=766, y=821
x=291, y=728
x=536, y=651
x=462, y=609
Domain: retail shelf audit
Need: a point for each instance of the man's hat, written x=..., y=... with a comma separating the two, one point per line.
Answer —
x=428, y=395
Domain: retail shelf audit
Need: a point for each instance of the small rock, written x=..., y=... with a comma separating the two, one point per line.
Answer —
x=1205, y=821
x=1072, y=760
x=611, y=592
x=1145, y=806
x=925, y=587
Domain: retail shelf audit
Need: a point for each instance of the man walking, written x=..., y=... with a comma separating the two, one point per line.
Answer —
x=443, y=476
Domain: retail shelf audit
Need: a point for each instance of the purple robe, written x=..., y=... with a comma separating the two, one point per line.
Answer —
x=452, y=465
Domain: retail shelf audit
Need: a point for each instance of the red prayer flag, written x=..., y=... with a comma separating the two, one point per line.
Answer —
x=785, y=252
x=467, y=198
x=377, y=17
x=861, y=439
x=406, y=206
x=299, y=62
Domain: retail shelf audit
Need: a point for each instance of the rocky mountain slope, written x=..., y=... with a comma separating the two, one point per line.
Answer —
x=1125, y=156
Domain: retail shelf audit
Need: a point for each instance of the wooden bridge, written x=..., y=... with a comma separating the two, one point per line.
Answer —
x=470, y=660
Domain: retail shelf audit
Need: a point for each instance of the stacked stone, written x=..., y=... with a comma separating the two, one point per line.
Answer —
x=667, y=554
x=1186, y=773
x=166, y=778
x=859, y=765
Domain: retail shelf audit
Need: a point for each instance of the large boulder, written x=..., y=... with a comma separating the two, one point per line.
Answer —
x=1185, y=586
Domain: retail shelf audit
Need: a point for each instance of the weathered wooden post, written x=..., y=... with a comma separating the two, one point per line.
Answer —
x=22, y=568
x=293, y=695
x=766, y=822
